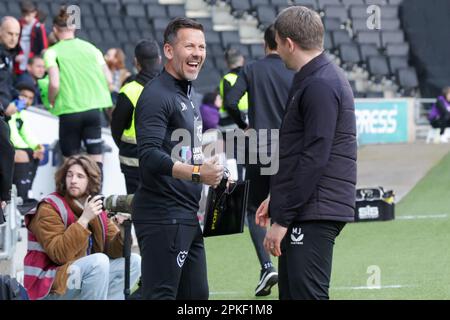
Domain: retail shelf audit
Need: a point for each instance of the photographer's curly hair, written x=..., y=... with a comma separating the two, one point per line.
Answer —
x=89, y=166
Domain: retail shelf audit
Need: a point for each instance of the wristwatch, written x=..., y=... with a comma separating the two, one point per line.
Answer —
x=196, y=174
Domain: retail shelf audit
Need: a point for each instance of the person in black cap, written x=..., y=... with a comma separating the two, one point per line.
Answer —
x=148, y=63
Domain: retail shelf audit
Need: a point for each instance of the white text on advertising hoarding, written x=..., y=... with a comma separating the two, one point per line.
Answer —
x=376, y=121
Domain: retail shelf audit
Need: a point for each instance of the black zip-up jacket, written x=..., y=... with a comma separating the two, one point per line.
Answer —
x=267, y=82
x=317, y=170
x=7, y=92
x=6, y=161
x=164, y=106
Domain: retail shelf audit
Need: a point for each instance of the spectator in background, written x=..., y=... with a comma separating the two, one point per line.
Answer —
x=74, y=250
x=28, y=152
x=439, y=115
x=210, y=110
x=115, y=59
x=147, y=59
x=9, y=38
x=33, y=37
x=78, y=89
x=35, y=71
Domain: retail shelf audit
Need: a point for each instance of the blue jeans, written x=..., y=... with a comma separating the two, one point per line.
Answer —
x=96, y=277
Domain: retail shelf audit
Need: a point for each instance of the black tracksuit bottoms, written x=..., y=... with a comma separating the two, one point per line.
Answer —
x=173, y=262
x=304, y=267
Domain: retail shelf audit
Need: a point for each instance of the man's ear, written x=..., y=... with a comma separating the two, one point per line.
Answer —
x=168, y=51
x=291, y=44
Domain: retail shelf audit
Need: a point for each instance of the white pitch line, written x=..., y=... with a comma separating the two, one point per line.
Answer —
x=225, y=292
x=431, y=216
x=394, y=286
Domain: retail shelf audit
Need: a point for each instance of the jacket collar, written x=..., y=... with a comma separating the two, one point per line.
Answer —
x=183, y=85
x=311, y=67
x=146, y=75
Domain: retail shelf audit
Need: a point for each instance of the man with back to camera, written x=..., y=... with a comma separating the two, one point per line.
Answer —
x=267, y=82
x=166, y=202
x=148, y=62
x=313, y=194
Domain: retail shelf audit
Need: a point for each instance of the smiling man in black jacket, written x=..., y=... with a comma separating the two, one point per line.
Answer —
x=167, y=200
x=313, y=194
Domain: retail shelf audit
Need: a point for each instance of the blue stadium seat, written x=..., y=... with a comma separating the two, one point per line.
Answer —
x=392, y=37
x=397, y=49
x=135, y=10
x=156, y=11
x=332, y=24
x=340, y=37
x=229, y=38
x=176, y=11
x=350, y=55
x=368, y=49
x=312, y=4
x=266, y=15
x=396, y=63
x=378, y=67
x=365, y=37
x=323, y=3
x=336, y=11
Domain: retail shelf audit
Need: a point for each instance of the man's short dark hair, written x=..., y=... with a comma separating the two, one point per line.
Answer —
x=33, y=59
x=179, y=23
x=302, y=25
x=269, y=37
x=26, y=85
x=147, y=53
x=232, y=56
x=27, y=7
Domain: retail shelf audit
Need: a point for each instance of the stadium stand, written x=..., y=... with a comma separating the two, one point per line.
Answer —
x=376, y=61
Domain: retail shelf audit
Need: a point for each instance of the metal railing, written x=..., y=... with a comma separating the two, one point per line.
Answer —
x=421, y=108
x=9, y=231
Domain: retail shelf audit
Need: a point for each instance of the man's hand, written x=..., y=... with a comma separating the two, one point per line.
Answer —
x=3, y=204
x=262, y=214
x=10, y=109
x=211, y=172
x=273, y=238
x=92, y=209
x=39, y=153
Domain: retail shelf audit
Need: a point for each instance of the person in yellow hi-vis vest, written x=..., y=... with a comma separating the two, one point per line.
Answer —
x=148, y=63
x=232, y=119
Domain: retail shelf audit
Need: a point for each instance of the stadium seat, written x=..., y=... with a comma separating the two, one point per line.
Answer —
x=240, y=7
x=395, y=2
x=95, y=36
x=212, y=37
x=88, y=22
x=397, y=49
x=257, y=51
x=340, y=37
x=336, y=11
x=349, y=3
x=135, y=10
x=156, y=11
x=323, y=3
x=374, y=94
x=109, y=35
x=390, y=24
x=215, y=49
x=350, y=55
x=396, y=63
x=98, y=10
x=103, y=23
x=160, y=24
x=122, y=36
x=376, y=2
x=13, y=9
x=279, y=2
x=256, y=3
x=116, y=23
x=266, y=15
x=407, y=79
x=378, y=67
x=229, y=38
x=389, y=12
x=367, y=50
x=366, y=37
x=112, y=10
x=176, y=11
x=328, y=41
x=207, y=23
x=332, y=24
x=358, y=12
x=143, y=23
x=130, y=24
x=392, y=37
x=312, y=4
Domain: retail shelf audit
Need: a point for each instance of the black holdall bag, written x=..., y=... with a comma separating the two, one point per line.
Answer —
x=374, y=204
x=226, y=208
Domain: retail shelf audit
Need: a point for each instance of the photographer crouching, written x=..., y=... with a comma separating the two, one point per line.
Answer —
x=74, y=250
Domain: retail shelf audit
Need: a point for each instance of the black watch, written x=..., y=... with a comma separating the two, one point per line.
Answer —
x=196, y=174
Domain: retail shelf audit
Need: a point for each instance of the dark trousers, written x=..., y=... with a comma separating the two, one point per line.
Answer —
x=306, y=257
x=131, y=175
x=173, y=262
x=258, y=192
